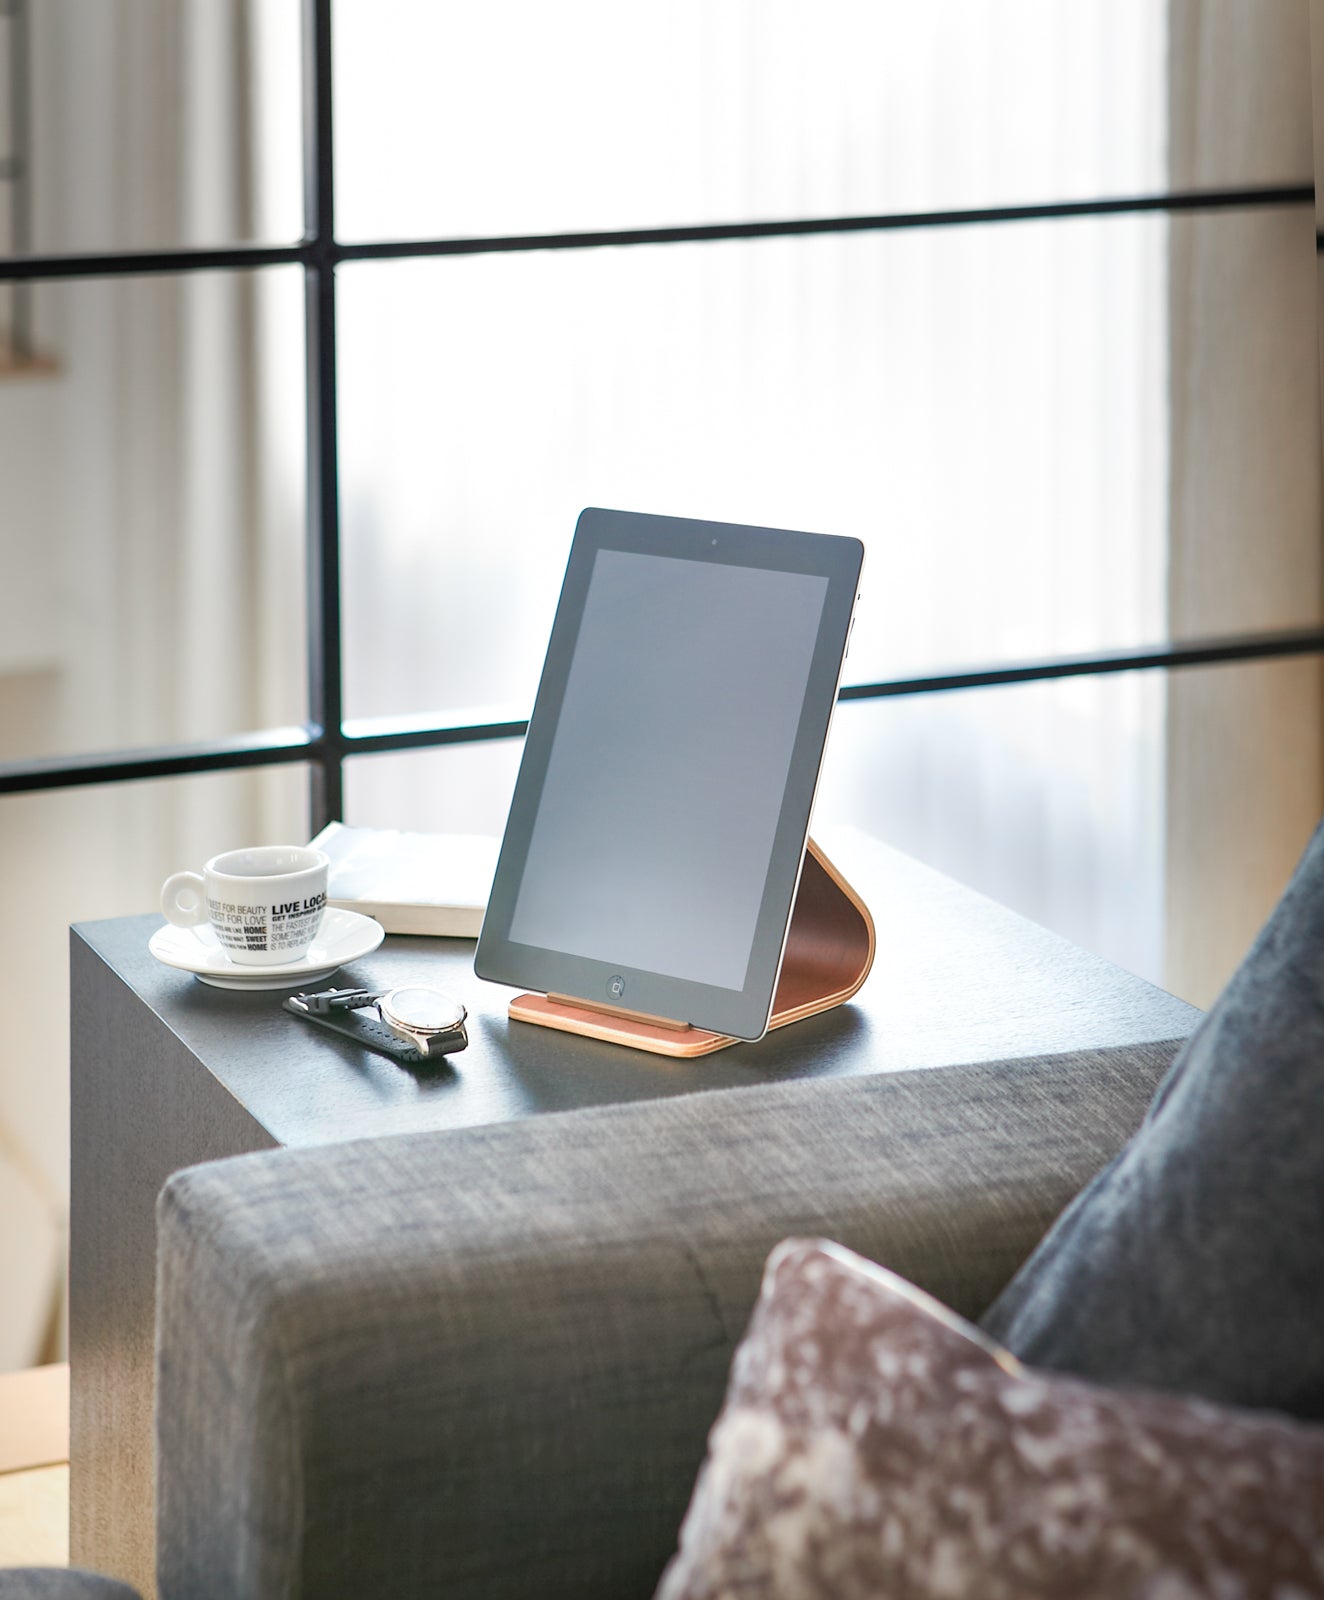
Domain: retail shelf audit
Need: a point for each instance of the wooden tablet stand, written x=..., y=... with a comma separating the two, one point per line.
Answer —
x=829, y=951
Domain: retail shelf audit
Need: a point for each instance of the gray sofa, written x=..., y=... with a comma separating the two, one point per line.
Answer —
x=484, y=1363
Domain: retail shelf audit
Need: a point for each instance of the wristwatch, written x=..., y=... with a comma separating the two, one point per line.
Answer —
x=420, y=1024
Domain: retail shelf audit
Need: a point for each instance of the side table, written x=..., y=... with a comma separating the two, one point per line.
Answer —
x=167, y=1071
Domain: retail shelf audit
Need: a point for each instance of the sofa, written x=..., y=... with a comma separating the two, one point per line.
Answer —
x=485, y=1363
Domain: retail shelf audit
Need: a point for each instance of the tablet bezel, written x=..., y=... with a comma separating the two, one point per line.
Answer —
x=741, y=1013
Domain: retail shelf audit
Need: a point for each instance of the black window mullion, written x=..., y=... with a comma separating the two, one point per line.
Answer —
x=325, y=665
x=384, y=735
x=20, y=154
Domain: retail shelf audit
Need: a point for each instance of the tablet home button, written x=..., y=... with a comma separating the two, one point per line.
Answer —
x=616, y=986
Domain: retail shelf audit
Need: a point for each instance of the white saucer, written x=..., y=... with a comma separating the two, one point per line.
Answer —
x=344, y=936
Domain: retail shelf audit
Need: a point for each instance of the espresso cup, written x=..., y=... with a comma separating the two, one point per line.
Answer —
x=264, y=905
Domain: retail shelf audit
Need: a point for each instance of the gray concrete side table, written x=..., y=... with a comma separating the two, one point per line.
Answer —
x=167, y=1071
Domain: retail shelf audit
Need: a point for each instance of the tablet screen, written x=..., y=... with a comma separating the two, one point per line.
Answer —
x=654, y=839
x=668, y=765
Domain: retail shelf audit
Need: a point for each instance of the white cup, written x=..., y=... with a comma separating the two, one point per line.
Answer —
x=265, y=904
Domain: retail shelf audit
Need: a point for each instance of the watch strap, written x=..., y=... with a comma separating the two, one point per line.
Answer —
x=364, y=1029
x=444, y=1044
x=327, y=1001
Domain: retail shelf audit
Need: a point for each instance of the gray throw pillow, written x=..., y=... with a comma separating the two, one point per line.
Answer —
x=1195, y=1261
x=872, y=1444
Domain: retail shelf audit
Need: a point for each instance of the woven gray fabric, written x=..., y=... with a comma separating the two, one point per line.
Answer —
x=60, y=1583
x=1196, y=1261
x=484, y=1363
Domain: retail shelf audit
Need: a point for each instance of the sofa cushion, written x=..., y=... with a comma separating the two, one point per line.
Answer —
x=874, y=1444
x=1195, y=1260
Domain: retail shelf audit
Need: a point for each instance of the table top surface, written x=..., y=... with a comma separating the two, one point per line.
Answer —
x=957, y=978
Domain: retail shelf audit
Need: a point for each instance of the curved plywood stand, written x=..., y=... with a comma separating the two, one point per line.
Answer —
x=829, y=951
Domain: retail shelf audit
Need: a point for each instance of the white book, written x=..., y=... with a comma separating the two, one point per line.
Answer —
x=431, y=883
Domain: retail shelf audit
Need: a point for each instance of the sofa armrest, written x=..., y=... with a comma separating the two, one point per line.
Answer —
x=484, y=1363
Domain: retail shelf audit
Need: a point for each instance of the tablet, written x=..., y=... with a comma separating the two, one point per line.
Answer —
x=659, y=819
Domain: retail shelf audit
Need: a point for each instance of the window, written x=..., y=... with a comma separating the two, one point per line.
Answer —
x=1001, y=289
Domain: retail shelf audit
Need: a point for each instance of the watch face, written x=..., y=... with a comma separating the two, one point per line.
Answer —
x=427, y=1010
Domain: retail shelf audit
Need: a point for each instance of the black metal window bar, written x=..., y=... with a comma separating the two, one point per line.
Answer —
x=15, y=177
x=326, y=742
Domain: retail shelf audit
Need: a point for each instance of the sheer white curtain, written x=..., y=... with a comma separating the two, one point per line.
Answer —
x=984, y=406
x=167, y=511
x=1245, y=763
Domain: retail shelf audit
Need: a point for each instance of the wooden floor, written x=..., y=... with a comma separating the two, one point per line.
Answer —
x=34, y=1468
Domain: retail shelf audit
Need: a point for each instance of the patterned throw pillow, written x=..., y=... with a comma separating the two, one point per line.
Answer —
x=874, y=1445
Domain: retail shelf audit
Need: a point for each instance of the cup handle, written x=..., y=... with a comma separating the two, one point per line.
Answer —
x=184, y=900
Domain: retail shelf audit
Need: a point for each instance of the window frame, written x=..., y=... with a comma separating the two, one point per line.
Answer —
x=325, y=741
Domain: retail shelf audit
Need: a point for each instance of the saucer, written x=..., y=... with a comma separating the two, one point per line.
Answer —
x=344, y=936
